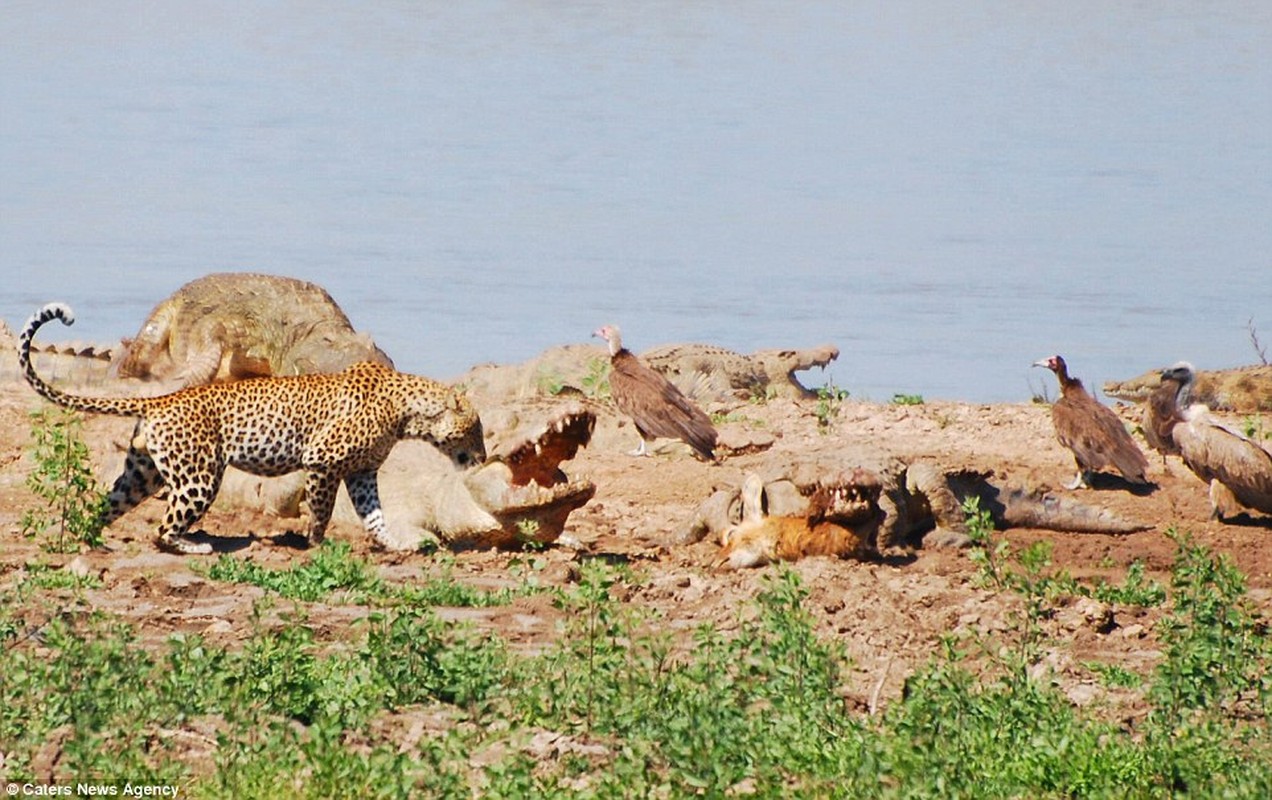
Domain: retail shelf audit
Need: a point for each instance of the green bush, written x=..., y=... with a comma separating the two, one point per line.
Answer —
x=62, y=477
x=634, y=712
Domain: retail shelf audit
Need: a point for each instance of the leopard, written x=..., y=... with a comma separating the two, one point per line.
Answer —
x=335, y=427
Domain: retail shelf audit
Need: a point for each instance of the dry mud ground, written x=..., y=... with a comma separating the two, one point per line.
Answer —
x=889, y=616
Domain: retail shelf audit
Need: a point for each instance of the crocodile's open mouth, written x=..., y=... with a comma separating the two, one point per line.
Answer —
x=522, y=484
x=791, y=361
x=846, y=496
x=849, y=498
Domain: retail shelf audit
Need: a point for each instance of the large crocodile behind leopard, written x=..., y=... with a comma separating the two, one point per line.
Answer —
x=227, y=326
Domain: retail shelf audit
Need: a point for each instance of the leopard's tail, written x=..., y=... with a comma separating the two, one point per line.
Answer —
x=122, y=406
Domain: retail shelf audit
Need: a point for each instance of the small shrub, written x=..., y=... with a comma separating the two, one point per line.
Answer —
x=596, y=381
x=73, y=505
x=829, y=399
x=42, y=576
x=550, y=382
x=332, y=568
x=900, y=399
x=762, y=393
x=1217, y=651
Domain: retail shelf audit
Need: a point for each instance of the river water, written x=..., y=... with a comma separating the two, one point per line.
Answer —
x=948, y=191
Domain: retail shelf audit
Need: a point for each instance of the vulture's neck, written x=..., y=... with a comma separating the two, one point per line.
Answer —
x=1183, y=395
x=1069, y=386
x=616, y=349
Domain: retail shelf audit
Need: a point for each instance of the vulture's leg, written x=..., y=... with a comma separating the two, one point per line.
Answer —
x=640, y=451
x=1082, y=479
x=1223, y=503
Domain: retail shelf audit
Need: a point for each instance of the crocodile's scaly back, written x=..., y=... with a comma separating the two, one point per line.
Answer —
x=122, y=406
x=228, y=326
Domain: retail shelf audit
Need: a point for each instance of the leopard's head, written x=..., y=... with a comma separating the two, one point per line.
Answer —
x=455, y=429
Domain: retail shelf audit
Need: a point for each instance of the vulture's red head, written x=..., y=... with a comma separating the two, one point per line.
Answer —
x=1054, y=363
x=611, y=335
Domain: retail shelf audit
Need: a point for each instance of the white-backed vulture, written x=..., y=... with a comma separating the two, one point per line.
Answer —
x=1238, y=469
x=1165, y=405
x=1094, y=434
x=655, y=405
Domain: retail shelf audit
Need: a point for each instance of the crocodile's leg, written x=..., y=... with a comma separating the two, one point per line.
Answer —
x=926, y=482
x=200, y=367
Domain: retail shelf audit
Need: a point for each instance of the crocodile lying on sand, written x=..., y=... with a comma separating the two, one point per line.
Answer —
x=519, y=495
x=227, y=326
x=730, y=374
x=704, y=372
x=901, y=501
x=1244, y=390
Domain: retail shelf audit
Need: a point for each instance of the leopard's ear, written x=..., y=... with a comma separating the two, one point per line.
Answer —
x=458, y=401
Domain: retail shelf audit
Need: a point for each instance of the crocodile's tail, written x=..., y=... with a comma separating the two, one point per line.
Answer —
x=122, y=406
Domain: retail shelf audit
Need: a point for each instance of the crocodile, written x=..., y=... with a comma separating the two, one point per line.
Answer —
x=703, y=372
x=917, y=500
x=716, y=373
x=227, y=326
x=1243, y=390
x=519, y=495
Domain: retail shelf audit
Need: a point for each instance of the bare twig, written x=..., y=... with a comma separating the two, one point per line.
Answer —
x=1259, y=347
x=878, y=687
x=1039, y=395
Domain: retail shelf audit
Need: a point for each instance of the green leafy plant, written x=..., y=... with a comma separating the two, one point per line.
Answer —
x=42, y=576
x=550, y=382
x=1252, y=426
x=1217, y=649
x=988, y=556
x=1135, y=589
x=1114, y=675
x=596, y=381
x=762, y=393
x=331, y=568
x=73, y=505
x=829, y=399
x=900, y=399
x=721, y=418
x=399, y=702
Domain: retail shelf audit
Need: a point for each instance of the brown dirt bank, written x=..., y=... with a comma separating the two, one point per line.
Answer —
x=889, y=616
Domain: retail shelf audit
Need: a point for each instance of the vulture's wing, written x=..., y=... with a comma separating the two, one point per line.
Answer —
x=1097, y=437
x=1216, y=452
x=657, y=407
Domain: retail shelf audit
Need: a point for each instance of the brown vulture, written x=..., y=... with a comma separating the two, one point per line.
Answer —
x=655, y=405
x=1238, y=469
x=1091, y=430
